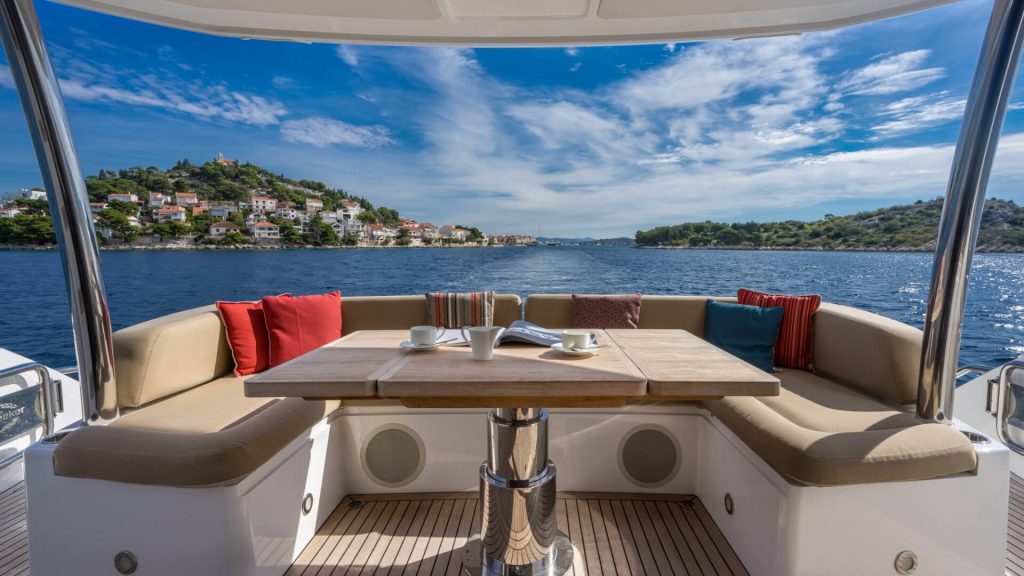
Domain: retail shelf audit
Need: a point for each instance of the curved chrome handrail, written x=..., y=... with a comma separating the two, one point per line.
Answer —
x=1003, y=404
x=69, y=204
x=961, y=212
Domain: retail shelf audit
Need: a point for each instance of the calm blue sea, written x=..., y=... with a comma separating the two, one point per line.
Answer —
x=146, y=284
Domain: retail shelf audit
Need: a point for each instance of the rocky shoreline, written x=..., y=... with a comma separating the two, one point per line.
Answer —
x=185, y=247
x=922, y=250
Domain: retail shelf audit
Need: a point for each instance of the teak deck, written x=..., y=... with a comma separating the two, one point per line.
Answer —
x=423, y=534
x=13, y=531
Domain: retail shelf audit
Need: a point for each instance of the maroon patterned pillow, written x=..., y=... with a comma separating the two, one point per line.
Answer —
x=613, y=311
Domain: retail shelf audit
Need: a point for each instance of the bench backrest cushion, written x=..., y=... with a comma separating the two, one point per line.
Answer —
x=876, y=355
x=169, y=354
x=402, y=312
x=180, y=351
x=868, y=352
x=686, y=312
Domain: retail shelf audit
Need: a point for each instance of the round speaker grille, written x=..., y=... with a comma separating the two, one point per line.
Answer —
x=393, y=455
x=649, y=455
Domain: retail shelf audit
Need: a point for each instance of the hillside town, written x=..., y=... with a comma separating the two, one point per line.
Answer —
x=188, y=212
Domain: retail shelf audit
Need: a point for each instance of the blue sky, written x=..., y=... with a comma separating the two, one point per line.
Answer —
x=595, y=141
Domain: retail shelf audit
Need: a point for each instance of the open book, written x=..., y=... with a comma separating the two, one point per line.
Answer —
x=518, y=331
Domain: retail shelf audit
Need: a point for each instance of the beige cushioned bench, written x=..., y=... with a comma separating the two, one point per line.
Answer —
x=844, y=424
x=185, y=418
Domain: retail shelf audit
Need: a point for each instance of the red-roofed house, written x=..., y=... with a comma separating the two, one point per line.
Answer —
x=265, y=231
x=185, y=199
x=170, y=214
x=263, y=204
x=122, y=198
x=156, y=200
x=218, y=229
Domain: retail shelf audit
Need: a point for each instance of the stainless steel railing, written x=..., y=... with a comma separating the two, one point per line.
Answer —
x=961, y=213
x=1006, y=407
x=51, y=399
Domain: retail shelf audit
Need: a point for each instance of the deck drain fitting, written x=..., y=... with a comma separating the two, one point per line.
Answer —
x=687, y=504
x=906, y=562
x=730, y=507
x=355, y=505
x=307, y=504
x=125, y=562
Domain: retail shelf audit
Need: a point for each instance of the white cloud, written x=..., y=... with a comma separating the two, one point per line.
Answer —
x=757, y=132
x=195, y=99
x=919, y=112
x=572, y=51
x=323, y=132
x=575, y=67
x=896, y=73
x=6, y=81
x=283, y=82
x=348, y=55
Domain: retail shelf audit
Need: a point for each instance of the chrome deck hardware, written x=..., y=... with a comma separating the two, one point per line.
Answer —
x=1007, y=407
x=518, y=527
x=30, y=407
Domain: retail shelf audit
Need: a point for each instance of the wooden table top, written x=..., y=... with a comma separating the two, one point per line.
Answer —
x=678, y=364
x=346, y=368
x=518, y=372
x=633, y=364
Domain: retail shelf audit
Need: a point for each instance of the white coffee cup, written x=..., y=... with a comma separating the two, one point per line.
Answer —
x=481, y=340
x=577, y=339
x=425, y=335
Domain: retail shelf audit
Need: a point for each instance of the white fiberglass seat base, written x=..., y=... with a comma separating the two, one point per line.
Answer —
x=258, y=527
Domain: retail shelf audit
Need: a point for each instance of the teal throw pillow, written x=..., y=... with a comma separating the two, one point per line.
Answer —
x=747, y=332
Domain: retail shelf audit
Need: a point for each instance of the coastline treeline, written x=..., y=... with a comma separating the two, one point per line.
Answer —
x=903, y=227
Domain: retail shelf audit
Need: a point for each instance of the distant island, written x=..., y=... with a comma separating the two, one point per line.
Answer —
x=909, y=227
x=587, y=241
x=226, y=204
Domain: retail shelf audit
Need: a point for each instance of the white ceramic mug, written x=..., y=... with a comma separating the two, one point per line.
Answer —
x=425, y=335
x=481, y=340
x=578, y=339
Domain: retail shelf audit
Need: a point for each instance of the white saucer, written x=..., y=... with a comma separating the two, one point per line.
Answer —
x=408, y=345
x=574, y=352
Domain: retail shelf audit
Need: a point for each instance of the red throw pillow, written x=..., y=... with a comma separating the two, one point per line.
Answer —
x=246, y=329
x=615, y=311
x=795, y=346
x=296, y=325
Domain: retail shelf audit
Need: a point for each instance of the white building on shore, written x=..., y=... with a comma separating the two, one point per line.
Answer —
x=219, y=229
x=26, y=194
x=265, y=231
x=171, y=213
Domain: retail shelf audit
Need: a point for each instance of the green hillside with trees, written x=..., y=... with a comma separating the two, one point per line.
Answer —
x=214, y=182
x=903, y=227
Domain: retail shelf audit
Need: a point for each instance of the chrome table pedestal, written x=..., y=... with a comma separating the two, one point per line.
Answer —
x=518, y=531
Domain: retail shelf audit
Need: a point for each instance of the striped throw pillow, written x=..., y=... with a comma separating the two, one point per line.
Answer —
x=458, y=309
x=795, y=346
